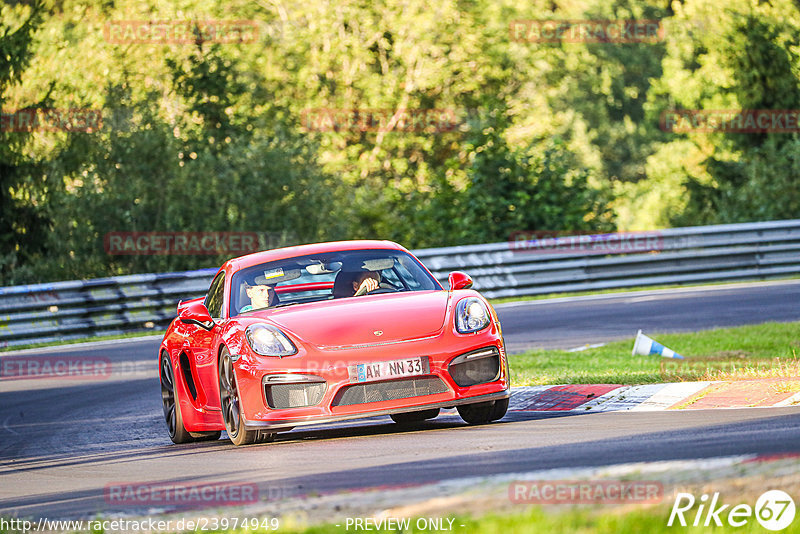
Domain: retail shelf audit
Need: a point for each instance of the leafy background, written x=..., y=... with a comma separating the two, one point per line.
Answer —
x=551, y=136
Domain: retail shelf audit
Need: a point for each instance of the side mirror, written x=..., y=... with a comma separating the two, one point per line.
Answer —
x=197, y=313
x=459, y=280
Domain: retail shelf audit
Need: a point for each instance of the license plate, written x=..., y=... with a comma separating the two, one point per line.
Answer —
x=366, y=372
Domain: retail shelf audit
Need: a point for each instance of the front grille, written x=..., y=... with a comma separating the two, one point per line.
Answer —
x=281, y=396
x=468, y=371
x=393, y=390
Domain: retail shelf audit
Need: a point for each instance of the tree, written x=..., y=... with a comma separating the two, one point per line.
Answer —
x=509, y=190
x=748, y=62
x=24, y=222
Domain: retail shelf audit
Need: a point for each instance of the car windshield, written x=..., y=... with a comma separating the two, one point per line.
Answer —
x=332, y=275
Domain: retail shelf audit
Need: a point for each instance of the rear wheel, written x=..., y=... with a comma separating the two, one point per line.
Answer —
x=483, y=412
x=230, y=403
x=171, y=403
x=414, y=417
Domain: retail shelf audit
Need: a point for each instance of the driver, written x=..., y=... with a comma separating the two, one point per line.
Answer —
x=354, y=284
x=260, y=295
x=365, y=282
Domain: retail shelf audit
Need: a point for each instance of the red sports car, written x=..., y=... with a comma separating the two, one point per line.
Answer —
x=327, y=332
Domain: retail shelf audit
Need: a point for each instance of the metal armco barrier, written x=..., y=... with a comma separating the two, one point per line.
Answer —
x=68, y=310
x=751, y=251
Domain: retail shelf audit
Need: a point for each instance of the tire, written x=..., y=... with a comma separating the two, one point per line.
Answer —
x=500, y=409
x=414, y=417
x=483, y=412
x=229, y=402
x=171, y=403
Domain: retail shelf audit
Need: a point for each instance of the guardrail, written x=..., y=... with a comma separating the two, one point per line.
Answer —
x=67, y=310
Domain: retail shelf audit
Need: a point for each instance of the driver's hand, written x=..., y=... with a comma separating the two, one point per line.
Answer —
x=370, y=284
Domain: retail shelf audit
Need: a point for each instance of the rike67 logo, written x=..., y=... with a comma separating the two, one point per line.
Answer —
x=774, y=510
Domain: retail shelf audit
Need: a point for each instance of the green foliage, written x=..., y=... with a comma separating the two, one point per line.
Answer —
x=738, y=56
x=544, y=136
x=763, y=185
x=511, y=190
x=24, y=221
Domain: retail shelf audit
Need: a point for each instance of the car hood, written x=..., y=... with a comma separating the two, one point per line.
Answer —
x=366, y=320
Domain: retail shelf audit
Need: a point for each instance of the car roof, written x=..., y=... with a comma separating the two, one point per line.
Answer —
x=257, y=258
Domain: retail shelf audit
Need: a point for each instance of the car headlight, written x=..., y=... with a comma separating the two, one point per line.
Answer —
x=267, y=340
x=471, y=315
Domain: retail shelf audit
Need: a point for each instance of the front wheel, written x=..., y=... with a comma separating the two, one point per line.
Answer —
x=230, y=403
x=483, y=412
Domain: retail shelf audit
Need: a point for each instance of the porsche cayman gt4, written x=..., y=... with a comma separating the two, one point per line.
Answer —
x=328, y=332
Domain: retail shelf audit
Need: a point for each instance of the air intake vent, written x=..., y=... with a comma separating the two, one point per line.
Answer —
x=476, y=367
x=281, y=396
x=383, y=391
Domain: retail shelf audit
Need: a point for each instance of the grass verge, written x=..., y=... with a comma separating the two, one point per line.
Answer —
x=599, y=520
x=650, y=520
x=768, y=350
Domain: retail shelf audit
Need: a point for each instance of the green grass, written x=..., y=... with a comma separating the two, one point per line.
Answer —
x=585, y=520
x=616, y=520
x=753, y=351
x=649, y=520
x=82, y=340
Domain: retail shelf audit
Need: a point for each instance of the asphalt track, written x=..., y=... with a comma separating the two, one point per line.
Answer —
x=62, y=442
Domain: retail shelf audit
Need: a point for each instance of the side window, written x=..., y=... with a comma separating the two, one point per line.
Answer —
x=214, y=298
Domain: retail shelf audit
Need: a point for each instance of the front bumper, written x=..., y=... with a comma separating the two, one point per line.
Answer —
x=289, y=424
x=331, y=368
